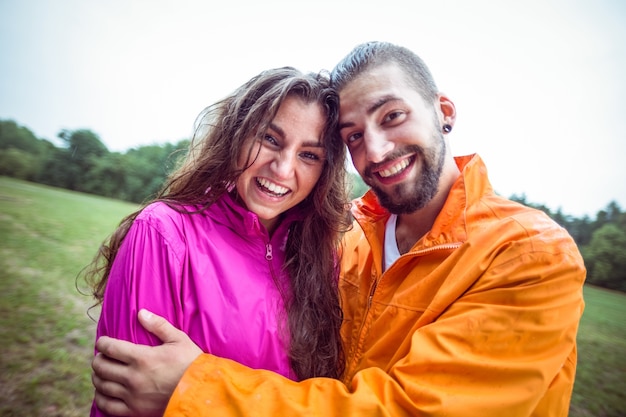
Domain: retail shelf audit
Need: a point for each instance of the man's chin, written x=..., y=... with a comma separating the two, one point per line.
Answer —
x=397, y=205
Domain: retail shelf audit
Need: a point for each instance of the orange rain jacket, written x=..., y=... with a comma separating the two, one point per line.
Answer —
x=478, y=319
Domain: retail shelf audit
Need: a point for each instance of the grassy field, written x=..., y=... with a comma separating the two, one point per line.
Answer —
x=600, y=387
x=48, y=235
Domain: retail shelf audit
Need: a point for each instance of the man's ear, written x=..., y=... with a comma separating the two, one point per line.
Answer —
x=447, y=110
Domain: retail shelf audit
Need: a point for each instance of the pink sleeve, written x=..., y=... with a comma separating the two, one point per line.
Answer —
x=145, y=274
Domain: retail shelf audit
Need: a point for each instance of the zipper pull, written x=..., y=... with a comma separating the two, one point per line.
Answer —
x=371, y=296
x=268, y=251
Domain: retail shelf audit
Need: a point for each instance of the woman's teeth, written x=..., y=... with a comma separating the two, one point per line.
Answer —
x=273, y=188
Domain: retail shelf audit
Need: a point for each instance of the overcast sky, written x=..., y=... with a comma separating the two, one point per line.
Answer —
x=539, y=85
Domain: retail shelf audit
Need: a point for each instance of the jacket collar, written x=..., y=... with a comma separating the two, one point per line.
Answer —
x=450, y=225
x=230, y=211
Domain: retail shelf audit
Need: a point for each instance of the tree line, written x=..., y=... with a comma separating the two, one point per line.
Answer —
x=83, y=163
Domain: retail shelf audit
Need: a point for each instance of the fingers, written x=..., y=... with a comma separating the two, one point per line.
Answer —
x=117, y=349
x=109, y=369
x=109, y=394
x=160, y=327
x=112, y=406
x=108, y=388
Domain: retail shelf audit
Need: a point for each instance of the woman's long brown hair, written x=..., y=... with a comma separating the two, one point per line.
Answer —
x=208, y=171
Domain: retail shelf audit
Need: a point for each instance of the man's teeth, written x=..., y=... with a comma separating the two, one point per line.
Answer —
x=394, y=169
x=271, y=187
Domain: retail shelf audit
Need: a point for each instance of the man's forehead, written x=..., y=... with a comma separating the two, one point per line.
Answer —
x=376, y=82
x=368, y=99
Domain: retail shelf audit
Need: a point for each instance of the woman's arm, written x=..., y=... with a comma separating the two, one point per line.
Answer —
x=144, y=275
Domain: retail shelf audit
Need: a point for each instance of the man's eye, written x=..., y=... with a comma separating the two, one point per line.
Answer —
x=392, y=116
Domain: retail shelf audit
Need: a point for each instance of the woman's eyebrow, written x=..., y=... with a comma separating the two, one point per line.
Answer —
x=308, y=144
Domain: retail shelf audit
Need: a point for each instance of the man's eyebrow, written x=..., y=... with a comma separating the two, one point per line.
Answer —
x=308, y=144
x=381, y=102
x=371, y=109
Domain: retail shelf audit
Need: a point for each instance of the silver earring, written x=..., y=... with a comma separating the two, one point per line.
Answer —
x=447, y=128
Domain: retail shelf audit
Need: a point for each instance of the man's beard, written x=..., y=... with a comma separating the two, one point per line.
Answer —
x=409, y=197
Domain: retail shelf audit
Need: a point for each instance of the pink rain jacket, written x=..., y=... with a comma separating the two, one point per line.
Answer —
x=213, y=275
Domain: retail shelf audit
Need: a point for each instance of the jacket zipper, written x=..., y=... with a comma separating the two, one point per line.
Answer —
x=370, y=299
x=268, y=254
x=268, y=258
x=268, y=251
x=371, y=296
x=447, y=246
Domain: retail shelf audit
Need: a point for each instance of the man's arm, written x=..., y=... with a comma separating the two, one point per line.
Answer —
x=504, y=347
x=138, y=380
x=469, y=362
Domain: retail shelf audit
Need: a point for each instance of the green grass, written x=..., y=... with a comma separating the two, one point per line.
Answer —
x=48, y=235
x=600, y=387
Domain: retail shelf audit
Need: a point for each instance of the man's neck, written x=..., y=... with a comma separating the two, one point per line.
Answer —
x=412, y=227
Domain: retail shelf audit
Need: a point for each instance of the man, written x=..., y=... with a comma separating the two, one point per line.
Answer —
x=456, y=301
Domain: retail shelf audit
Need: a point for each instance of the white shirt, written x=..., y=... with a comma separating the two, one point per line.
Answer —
x=391, y=252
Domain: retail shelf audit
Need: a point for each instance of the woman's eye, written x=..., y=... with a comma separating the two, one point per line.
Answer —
x=270, y=139
x=353, y=137
x=311, y=156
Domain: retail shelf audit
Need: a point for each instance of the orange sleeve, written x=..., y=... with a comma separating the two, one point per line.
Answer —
x=496, y=350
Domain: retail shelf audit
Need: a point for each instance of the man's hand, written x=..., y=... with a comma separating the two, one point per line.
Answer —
x=137, y=380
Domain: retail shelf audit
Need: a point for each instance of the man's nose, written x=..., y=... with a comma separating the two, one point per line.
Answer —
x=377, y=147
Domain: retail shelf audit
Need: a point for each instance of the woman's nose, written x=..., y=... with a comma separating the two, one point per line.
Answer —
x=284, y=164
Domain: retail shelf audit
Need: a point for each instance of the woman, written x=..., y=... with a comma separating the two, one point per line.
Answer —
x=239, y=248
